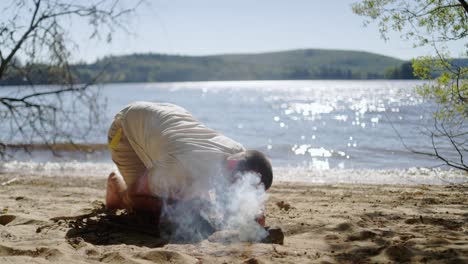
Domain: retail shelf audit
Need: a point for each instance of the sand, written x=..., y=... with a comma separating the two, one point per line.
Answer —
x=62, y=220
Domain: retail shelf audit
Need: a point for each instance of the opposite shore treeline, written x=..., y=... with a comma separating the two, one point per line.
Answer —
x=287, y=65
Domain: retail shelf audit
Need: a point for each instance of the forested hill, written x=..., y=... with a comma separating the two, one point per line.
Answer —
x=296, y=64
x=287, y=65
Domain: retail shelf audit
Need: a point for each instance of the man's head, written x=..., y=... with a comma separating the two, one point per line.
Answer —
x=252, y=161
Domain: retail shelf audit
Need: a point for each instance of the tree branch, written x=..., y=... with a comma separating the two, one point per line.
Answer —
x=34, y=29
x=20, y=42
x=464, y=4
x=454, y=144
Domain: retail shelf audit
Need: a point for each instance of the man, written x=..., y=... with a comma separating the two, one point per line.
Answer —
x=164, y=154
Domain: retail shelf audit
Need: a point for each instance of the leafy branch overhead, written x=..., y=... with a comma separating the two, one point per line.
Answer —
x=434, y=23
x=424, y=21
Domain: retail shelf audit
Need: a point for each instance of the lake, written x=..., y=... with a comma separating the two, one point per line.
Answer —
x=307, y=125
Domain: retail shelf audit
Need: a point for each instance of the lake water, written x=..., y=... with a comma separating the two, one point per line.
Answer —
x=313, y=126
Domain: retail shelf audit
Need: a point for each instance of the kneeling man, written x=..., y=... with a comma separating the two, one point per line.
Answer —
x=164, y=154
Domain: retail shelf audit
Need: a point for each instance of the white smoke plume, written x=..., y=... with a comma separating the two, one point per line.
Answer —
x=234, y=206
x=240, y=204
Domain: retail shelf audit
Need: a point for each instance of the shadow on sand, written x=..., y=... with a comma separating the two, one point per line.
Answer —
x=100, y=226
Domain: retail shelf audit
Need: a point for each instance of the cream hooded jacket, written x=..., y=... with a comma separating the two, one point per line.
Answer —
x=184, y=158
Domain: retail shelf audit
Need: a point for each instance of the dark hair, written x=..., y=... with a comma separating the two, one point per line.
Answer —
x=253, y=160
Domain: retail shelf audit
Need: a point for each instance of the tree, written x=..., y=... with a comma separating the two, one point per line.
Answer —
x=434, y=23
x=35, y=41
x=405, y=71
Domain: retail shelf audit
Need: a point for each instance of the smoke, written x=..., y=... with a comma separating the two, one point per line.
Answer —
x=231, y=206
x=182, y=222
x=241, y=204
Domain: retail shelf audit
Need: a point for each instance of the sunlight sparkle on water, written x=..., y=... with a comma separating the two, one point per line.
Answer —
x=307, y=109
x=321, y=119
x=313, y=152
x=341, y=118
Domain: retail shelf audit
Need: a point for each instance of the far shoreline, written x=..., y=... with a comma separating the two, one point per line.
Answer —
x=266, y=81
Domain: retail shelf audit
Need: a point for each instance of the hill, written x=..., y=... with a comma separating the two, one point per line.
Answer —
x=296, y=64
x=284, y=65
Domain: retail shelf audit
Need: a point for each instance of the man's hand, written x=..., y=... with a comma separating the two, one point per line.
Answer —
x=260, y=219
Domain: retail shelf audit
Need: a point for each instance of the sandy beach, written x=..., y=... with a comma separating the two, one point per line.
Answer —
x=62, y=220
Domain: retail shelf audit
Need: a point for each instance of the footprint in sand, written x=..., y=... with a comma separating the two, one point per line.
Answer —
x=399, y=253
x=362, y=235
x=50, y=254
x=344, y=227
x=12, y=220
x=6, y=219
x=167, y=256
x=446, y=223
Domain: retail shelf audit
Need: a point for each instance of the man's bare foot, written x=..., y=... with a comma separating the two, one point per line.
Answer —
x=116, y=192
x=137, y=197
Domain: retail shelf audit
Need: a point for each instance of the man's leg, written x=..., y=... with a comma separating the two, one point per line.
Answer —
x=118, y=196
x=141, y=197
x=129, y=165
x=129, y=189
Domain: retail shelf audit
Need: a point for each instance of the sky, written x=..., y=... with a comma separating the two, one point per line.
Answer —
x=206, y=27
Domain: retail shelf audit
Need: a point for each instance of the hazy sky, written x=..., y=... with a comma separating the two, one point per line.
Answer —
x=200, y=27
